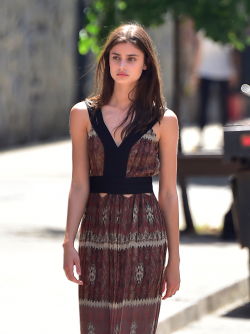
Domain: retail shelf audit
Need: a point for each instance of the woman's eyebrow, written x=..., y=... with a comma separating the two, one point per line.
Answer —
x=129, y=55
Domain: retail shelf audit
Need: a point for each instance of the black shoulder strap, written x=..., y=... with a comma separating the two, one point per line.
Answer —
x=93, y=115
x=90, y=110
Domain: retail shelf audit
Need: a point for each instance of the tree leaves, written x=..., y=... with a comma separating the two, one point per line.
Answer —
x=222, y=20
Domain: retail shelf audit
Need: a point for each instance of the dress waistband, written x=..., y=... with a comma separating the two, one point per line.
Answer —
x=120, y=185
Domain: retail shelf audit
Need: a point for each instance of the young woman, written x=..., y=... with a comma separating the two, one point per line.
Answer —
x=121, y=137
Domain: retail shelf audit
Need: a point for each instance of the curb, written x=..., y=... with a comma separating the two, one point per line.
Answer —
x=203, y=306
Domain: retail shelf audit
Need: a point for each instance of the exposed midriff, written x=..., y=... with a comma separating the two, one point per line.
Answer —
x=125, y=195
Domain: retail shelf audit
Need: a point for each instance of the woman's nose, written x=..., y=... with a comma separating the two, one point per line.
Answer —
x=122, y=63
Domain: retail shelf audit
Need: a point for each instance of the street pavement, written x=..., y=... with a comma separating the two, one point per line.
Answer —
x=232, y=319
x=35, y=295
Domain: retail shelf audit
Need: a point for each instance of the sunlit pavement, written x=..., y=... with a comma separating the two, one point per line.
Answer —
x=208, y=139
x=228, y=320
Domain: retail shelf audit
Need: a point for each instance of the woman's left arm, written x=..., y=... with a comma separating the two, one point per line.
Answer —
x=168, y=198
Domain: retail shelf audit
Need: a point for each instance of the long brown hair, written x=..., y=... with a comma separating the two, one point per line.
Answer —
x=148, y=103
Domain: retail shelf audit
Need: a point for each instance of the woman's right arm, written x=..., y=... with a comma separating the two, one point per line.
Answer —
x=79, y=189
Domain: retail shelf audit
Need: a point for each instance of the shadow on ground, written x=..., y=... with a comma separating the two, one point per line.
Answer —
x=40, y=233
x=209, y=181
x=242, y=311
x=205, y=239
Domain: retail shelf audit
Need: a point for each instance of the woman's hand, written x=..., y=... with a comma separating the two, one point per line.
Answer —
x=171, y=280
x=70, y=259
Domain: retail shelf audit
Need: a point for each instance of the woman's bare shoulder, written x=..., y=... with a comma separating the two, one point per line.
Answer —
x=169, y=121
x=80, y=107
x=169, y=114
x=79, y=117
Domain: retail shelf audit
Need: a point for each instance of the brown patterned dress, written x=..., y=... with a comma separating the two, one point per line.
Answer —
x=122, y=243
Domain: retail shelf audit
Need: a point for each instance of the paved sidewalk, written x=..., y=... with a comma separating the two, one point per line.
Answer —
x=213, y=274
x=232, y=319
x=35, y=295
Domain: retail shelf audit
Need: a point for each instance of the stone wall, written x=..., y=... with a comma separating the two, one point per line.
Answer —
x=37, y=69
x=162, y=37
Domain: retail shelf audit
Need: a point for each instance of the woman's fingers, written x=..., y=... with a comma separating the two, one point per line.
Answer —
x=71, y=277
x=171, y=280
x=78, y=266
x=168, y=294
x=71, y=259
x=170, y=291
x=163, y=286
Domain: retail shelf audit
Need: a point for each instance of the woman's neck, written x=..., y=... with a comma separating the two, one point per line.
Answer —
x=120, y=97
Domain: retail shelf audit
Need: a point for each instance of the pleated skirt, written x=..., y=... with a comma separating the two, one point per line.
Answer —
x=122, y=249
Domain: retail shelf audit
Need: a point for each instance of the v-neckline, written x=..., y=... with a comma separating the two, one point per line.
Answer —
x=108, y=140
x=109, y=133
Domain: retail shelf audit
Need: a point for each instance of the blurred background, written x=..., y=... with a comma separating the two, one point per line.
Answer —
x=48, y=51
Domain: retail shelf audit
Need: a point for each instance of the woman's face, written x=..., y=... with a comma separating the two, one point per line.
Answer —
x=126, y=63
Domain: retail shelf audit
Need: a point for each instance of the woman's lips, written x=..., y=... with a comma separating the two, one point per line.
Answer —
x=122, y=74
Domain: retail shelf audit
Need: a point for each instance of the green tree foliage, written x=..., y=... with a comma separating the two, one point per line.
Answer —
x=222, y=20
x=104, y=15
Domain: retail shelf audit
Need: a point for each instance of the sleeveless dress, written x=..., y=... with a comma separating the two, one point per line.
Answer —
x=122, y=243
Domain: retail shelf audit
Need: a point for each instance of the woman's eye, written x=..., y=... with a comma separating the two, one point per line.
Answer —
x=130, y=59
